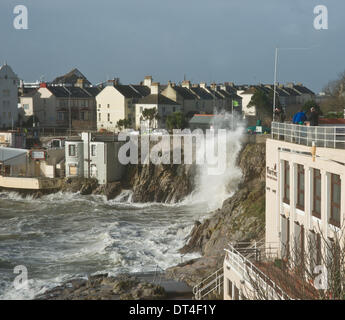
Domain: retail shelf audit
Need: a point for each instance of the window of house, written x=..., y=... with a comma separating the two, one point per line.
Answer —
x=229, y=288
x=93, y=150
x=318, y=250
x=335, y=200
x=108, y=116
x=26, y=106
x=316, y=193
x=314, y=250
x=72, y=150
x=286, y=197
x=299, y=245
x=300, y=187
x=61, y=116
x=73, y=170
x=99, y=117
x=236, y=293
x=108, y=105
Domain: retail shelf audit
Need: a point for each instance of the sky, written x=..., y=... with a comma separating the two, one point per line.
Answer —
x=202, y=40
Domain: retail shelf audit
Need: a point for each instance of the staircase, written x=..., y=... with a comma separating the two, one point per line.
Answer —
x=214, y=283
x=211, y=284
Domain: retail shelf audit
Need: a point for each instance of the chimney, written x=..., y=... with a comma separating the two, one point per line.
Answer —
x=203, y=85
x=155, y=88
x=113, y=82
x=43, y=85
x=290, y=85
x=186, y=84
x=79, y=83
x=148, y=81
x=214, y=86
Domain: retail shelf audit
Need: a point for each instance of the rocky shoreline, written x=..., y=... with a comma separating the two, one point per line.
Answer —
x=103, y=287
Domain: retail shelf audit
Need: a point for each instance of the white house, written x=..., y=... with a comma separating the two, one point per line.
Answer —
x=117, y=102
x=95, y=157
x=8, y=97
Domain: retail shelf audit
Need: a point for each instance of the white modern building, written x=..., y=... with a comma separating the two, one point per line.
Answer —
x=305, y=202
x=8, y=97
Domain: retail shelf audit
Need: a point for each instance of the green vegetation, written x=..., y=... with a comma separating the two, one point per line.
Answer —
x=150, y=115
x=264, y=103
x=123, y=123
x=306, y=107
x=176, y=120
x=335, y=90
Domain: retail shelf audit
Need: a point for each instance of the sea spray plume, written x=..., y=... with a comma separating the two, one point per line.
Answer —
x=213, y=189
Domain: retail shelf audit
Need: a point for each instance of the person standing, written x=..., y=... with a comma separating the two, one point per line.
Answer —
x=279, y=115
x=313, y=117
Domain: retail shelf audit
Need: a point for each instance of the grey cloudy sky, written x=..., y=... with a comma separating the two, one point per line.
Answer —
x=218, y=40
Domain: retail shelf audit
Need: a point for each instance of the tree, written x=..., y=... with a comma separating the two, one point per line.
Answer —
x=123, y=123
x=150, y=115
x=335, y=91
x=176, y=120
x=295, y=273
x=311, y=103
x=263, y=102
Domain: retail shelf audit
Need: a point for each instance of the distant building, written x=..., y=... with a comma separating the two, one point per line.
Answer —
x=8, y=97
x=60, y=106
x=118, y=102
x=202, y=121
x=182, y=96
x=74, y=78
x=162, y=104
x=94, y=156
x=12, y=139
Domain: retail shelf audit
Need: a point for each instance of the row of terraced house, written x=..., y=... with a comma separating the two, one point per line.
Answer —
x=70, y=101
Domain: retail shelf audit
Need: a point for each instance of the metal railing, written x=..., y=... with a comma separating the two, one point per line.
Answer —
x=322, y=136
x=215, y=281
x=211, y=284
x=250, y=273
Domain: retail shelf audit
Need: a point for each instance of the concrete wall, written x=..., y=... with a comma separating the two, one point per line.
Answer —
x=29, y=183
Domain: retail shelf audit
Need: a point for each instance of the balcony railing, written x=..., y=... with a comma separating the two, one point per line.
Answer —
x=322, y=136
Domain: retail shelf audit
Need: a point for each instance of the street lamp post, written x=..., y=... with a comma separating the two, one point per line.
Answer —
x=275, y=81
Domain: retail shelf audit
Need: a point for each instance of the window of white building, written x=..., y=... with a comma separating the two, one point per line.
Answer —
x=300, y=187
x=335, y=200
x=72, y=150
x=93, y=150
x=316, y=211
x=286, y=191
